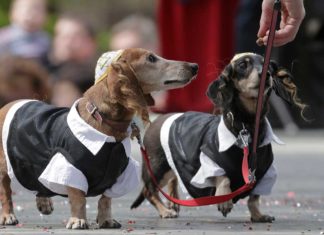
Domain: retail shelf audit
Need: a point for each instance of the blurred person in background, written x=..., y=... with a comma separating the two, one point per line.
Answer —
x=72, y=82
x=74, y=42
x=24, y=36
x=71, y=61
x=134, y=31
x=22, y=78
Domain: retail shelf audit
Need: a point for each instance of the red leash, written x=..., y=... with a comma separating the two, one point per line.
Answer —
x=209, y=200
x=248, y=175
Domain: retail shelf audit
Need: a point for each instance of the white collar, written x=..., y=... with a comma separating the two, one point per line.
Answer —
x=227, y=139
x=91, y=138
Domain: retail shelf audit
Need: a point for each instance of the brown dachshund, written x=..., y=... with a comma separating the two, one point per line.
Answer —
x=203, y=152
x=41, y=144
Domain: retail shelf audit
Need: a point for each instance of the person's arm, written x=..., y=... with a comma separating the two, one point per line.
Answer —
x=292, y=14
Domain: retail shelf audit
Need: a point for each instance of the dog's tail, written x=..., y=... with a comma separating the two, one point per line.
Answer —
x=140, y=198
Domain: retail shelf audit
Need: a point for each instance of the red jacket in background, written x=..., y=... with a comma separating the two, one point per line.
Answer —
x=200, y=31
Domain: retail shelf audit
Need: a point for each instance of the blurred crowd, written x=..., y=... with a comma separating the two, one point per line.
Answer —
x=59, y=68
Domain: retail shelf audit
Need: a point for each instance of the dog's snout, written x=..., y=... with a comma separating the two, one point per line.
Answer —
x=194, y=68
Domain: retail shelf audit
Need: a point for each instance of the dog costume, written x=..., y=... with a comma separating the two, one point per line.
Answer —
x=199, y=146
x=49, y=148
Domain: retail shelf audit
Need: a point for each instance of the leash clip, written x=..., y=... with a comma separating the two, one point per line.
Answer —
x=136, y=129
x=252, y=177
x=244, y=137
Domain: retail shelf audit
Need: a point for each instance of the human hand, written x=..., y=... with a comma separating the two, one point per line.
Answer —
x=292, y=14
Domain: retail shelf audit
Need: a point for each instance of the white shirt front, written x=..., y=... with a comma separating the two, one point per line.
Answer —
x=209, y=169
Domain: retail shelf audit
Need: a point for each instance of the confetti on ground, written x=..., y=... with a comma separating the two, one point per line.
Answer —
x=19, y=208
x=291, y=195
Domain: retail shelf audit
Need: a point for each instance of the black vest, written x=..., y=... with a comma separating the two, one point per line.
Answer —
x=195, y=132
x=38, y=131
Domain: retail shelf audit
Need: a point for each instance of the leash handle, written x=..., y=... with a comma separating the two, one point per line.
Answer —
x=276, y=9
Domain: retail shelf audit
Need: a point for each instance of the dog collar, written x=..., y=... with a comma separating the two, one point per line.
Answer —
x=104, y=62
x=227, y=139
x=120, y=126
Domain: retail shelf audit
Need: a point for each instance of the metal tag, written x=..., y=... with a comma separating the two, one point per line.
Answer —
x=243, y=138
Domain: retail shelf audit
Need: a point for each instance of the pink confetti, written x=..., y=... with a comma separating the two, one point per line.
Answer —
x=291, y=195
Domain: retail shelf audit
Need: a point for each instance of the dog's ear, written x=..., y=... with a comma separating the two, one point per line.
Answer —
x=125, y=89
x=220, y=90
x=149, y=100
x=284, y=86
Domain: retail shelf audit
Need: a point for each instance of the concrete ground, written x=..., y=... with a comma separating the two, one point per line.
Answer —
x=297, y=202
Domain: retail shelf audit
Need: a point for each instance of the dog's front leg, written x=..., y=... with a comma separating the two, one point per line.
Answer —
x=7, y=216
x=256, y=215
x=78, y=209
x=173, y=192
x=222, y=188
x=104, y=218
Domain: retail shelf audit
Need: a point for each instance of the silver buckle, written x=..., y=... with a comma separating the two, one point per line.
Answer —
x=91, y=108
x=243, y=137
x=252, y=177
x=138, y=137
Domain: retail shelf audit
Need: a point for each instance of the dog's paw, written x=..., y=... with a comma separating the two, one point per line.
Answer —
x=263, y=219
x=108, y=224
x=225, y=208
x=8, y=219
x=76, y=223
x=169, y=213
x=44, y=205
x=173, y=206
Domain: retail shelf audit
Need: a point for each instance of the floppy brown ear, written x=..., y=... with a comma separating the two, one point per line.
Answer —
x=125, y=89
x=284, y=86
x=149, y=99
x=220, y=90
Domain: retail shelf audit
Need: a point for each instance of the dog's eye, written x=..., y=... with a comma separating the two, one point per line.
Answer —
x=152, y=58
x=242, y=65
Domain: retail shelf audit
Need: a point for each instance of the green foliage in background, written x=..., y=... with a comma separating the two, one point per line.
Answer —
x=4, y=9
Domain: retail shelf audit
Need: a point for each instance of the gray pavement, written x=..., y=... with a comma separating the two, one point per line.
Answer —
x=297, y=202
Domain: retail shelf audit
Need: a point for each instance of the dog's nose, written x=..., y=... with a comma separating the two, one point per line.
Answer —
x=194, y=69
